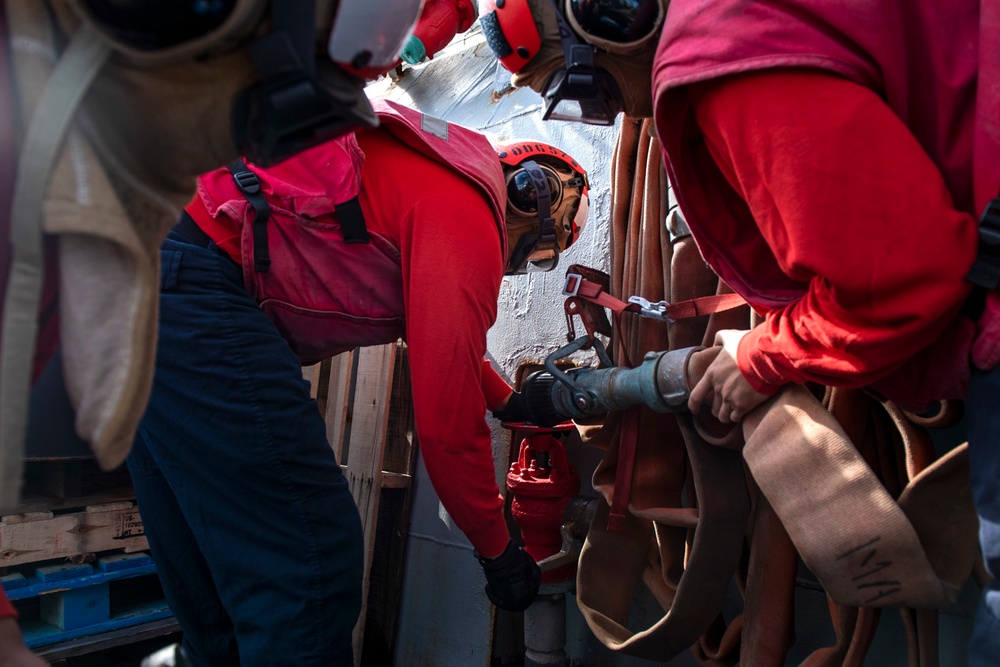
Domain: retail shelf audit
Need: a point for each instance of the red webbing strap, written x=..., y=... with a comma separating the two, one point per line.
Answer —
x=593, y=292
x=588, y=290
x=623, y=473
x=703, y=305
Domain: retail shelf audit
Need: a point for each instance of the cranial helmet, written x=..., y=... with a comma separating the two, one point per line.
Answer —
x=304, y=96
x=547, y=203
x=589, y=59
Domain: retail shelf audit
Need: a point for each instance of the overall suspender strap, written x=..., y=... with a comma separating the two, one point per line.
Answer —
x=352, y=221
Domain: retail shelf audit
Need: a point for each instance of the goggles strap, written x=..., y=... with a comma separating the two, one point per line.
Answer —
x=289, y=45
x=546, y=223
x=297, y=19
x=566, y=35
x=575, y=51
x=578, y=55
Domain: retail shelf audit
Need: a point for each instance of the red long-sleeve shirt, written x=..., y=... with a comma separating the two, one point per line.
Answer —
x=848, y=202
x=452, y=266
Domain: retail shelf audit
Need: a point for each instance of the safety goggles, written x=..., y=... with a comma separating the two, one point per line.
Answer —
x=618, y=26
x=529, y=194
x=522, y=195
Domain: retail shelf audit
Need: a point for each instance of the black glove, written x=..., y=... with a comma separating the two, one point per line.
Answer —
x=512, y=578
x=515, y=411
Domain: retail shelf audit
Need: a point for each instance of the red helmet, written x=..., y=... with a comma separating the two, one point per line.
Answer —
x=510, y=30
x=547, y=203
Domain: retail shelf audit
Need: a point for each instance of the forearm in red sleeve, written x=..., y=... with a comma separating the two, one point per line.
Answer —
x=495, y=388
x=849, y=203
x=452, y=269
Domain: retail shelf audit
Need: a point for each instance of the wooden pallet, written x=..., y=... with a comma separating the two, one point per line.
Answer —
x=48, y=534
x=60, y=485
x=365, y=399
x=72, y=562
x=62, y=601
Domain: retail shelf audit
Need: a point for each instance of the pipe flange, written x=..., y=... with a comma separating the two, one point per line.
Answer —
x=671, y=376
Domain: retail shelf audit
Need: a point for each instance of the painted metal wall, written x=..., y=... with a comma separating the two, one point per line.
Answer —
x=445, y=616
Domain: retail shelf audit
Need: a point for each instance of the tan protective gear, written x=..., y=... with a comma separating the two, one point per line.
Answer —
x=114, y=141
x=568, y=203
x=632, y=71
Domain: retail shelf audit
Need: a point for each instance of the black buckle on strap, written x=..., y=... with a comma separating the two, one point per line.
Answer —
x=247, y=181
x=249, y=185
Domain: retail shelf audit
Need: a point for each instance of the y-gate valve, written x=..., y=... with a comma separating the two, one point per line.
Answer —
x=541, y=484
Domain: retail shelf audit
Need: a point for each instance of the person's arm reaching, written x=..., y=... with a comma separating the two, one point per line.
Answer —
x=452, y=268
x=495, y=389
x=850, y=203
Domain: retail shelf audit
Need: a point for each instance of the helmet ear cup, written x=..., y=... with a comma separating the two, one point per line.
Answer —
x=576, y=217
x=510, y=31
x=571, y=215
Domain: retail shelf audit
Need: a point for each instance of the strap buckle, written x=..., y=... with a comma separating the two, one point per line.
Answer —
x=247, y=182
x=572, y=285
x=647, y=308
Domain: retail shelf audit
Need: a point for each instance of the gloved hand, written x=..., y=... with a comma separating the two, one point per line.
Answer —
x=515, y=411
x=512, y=578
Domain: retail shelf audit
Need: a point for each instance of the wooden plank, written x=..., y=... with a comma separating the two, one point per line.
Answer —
x=28, y=538
x=319, y=384
x=391, y=480
x=400, y=448
x=335, y=410
x=393, y=521
x=366, y=447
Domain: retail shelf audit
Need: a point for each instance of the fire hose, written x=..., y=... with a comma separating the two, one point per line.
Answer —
x=791, y=440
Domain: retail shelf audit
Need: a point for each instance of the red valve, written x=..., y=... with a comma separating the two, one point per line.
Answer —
x=541, y=483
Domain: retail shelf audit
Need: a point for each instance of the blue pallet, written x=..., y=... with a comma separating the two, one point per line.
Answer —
x=74, y=600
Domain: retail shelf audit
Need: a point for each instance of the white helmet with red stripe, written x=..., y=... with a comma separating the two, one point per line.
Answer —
x=547, y=203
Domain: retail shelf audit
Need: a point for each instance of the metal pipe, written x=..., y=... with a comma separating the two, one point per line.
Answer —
x=545, y=619
x=659, y=383
x=545, y=631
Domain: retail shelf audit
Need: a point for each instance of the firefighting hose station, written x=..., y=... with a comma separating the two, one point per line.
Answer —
x=542, y=484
